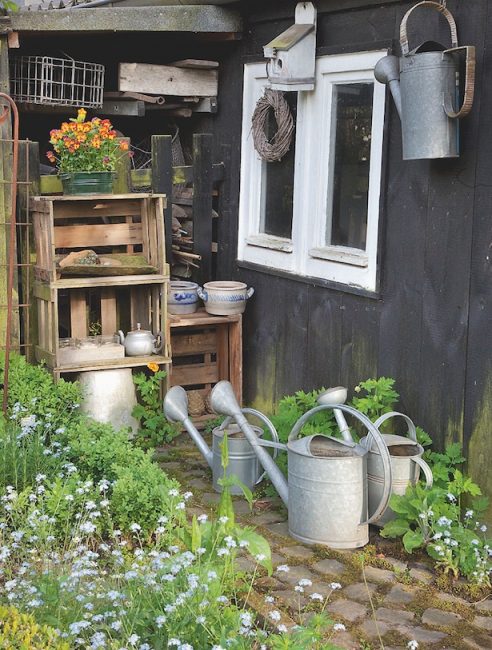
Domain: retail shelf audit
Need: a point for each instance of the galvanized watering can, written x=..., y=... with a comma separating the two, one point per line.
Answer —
x=425, y=86
x=243, y=461
x=326, y=491
x=406, y=463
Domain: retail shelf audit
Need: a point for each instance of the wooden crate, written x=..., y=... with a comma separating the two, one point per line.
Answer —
x=72, y=314
x=205, y=350
x=128, y=225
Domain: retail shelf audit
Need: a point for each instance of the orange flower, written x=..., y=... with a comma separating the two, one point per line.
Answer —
x=124, y=145
x=153, y=366
x=81, y=114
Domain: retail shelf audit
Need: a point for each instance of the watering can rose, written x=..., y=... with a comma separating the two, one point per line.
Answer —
x=89, y=146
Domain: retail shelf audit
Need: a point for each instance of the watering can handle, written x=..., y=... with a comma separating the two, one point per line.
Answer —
x=469, y=84
x=378, y=439
x=263, y=418
x=412, y=432
x=432, y=5
x=429, y=479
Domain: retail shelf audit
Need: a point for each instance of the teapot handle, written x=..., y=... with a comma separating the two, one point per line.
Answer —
x=158, y=348
x=432, y=5
x=122, y=337
x=466, y=107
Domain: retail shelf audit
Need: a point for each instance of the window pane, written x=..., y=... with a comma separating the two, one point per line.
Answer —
x=350, y=174
x=278, y=183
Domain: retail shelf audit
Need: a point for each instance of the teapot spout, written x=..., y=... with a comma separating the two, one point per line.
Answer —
x=387, y=71
x=224, y=402
x=176, y=410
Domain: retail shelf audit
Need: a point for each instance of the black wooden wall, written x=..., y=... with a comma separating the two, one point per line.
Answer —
x=430, y=325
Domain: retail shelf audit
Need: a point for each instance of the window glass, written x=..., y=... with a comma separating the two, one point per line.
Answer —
x=278, y=183
x=349, y=186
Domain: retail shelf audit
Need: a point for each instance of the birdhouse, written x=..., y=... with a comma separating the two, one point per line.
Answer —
x=292, y=55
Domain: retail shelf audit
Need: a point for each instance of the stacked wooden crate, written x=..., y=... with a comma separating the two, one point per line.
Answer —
x=127, y=287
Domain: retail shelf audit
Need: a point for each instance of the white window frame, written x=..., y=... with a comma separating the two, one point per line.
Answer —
x=305, y=253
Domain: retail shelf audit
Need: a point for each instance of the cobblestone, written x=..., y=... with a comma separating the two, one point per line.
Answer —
x=439, y=618
x=359, y=591
x=400, y=595
x=421, y=634
x=290, y=599
x=484, y=606
x=329, y=567
x=347, y=609
x=394, y=616
x=373, y=629
x=297, y=552
x=422, y=574
x=271, y=517
x=483, y=622
x=281, y=529
x=379, y=575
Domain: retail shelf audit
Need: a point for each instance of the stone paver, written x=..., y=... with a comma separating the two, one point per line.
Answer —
x=210, y=498
x=241, y=507
x=400, y=595
x=281, y=529
x=246, y=564
x=329, y=567
x=270, y=517
x=484, y=623
x=422, y=574
x=394, y=616
x=439, y=618
x=347, y=609
x=169, y=466
x=373, y=629
x=359, y=591
x=450, y=598
x=477, y=643
x=421, y=634
x=398, y=565
x=294, y=574
x=291, y=599
x=379, y=575
x=199, y=484
x=345, y=640
x=297, y=552
x=484, y=606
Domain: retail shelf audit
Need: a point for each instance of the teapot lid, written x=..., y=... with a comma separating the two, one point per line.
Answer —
x=139, y=330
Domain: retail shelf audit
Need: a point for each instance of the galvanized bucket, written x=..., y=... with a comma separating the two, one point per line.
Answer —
x=243, y=461
x=328, y=486
x=429, y=83
x=406, y=463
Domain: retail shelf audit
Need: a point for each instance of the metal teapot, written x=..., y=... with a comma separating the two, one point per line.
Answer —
x=406, y=463
x=141, y=343
x=243, y=461
x=326, y=490
x=424, y=83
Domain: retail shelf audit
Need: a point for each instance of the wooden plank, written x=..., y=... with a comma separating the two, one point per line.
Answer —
x=162, y=183
x=200, y=317
x=108, y=311
x=121, y=182
x=126, y=107
x=116, y=281
x=160, y=206
x=202, y=204
x=195, y=19
x=97, y=209
x=197, y=64
x=70, y=198
x=140, y=308
x=78, y=314
x=223, y=355
x=196, y=373
x=190, y=343
x=167, y=80
x=116, y=234
x=43, y=291
x=126, y=362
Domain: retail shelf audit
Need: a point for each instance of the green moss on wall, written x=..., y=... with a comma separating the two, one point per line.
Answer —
x=479, y=451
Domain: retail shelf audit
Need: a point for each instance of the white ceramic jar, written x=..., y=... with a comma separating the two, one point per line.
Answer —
x=182, y=297
x=224, y=298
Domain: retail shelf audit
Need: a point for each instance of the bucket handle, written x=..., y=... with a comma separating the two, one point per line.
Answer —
x=466, y=107
x=412, y=432
x=432, y=5
x=378, y=439
x=264, y=443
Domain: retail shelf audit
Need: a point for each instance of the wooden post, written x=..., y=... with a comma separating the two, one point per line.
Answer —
x=28, y=173
x=121, y=184
x=162, y=182
x=202, y=204
x=5, y=209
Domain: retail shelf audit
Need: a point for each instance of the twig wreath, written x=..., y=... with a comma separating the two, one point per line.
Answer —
x=275, y=149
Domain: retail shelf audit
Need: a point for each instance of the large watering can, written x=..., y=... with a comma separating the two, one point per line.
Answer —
x=326, y=491
x=243, y=461
x=406, y=463
x=424, y=83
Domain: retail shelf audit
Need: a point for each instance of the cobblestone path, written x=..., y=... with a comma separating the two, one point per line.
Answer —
x=383, y=602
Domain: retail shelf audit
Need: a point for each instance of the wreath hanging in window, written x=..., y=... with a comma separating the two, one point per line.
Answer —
x=272, y=150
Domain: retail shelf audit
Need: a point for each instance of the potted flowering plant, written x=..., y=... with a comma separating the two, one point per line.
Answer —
x=86, y=153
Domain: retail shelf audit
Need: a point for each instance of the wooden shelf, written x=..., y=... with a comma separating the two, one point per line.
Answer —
x=113, y=364
x=110, y=281
x=95, y=197
x=201, y=317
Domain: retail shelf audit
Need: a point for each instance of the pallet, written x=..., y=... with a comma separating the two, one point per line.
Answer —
x=205, y=350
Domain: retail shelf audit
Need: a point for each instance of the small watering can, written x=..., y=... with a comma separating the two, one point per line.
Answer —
x=425, y=86
x=406, y=463
x=326, y=491
x=243, y=462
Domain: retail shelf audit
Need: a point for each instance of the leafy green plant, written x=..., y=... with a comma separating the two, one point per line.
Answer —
x=154, y=428
x=378, y=397
x=292, y=407
x=21, y=632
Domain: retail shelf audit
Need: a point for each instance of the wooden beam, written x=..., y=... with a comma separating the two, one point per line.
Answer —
x=167, y=80
x=180, y=18
x=162, y=181
x=202, y=203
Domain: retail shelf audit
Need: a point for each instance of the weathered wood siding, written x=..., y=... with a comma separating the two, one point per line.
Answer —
x=430, y=325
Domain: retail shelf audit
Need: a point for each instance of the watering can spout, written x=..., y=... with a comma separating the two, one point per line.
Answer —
x=176, y=410
x=224, y=402
x=387, y=71
x=332, y=397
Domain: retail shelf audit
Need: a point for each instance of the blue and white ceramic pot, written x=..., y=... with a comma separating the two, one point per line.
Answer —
x=182, y=297
x=224, y=298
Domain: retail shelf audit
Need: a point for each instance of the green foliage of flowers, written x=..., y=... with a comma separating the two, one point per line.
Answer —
x=154, y=427
x=21, y=632
x=379, y=397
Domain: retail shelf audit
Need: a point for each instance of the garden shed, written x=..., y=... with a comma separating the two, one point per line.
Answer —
x=413, y=304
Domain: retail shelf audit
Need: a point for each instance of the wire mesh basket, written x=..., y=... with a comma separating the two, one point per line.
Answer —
x=56, y=82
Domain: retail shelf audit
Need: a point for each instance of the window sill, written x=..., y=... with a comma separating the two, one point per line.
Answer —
x=341, y=254
x=315, y=282
x=268, y=241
